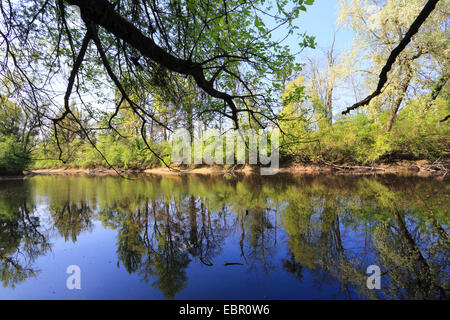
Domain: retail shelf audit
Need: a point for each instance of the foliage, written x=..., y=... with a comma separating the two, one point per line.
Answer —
x=13, y=159
x=179, y=61
x=144, y=99
x=361, y=138
x=404, y=121
x=16, y=136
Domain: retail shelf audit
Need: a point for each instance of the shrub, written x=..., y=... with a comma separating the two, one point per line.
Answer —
x=13, y=159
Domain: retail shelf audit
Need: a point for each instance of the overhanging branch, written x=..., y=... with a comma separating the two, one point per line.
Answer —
x=414, y=28
x=102, y=13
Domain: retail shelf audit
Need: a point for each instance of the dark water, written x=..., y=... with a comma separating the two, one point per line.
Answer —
x=224, y=238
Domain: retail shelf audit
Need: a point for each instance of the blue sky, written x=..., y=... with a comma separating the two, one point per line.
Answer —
x=320, y=21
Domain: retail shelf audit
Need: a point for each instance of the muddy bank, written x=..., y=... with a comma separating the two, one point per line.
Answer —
x=419, y=168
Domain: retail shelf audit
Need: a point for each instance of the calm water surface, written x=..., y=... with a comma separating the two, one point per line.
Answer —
x=283, y=237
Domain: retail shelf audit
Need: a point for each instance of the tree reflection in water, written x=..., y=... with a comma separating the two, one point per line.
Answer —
x=335, y=227
x=22, y=240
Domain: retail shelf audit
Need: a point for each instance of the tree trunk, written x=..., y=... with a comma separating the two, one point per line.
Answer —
x=401, y=94
x=329, y=103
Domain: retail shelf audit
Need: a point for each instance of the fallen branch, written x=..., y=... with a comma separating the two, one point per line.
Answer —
x=352, y=167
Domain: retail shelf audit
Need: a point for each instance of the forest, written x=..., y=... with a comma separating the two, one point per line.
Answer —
x=90, y=84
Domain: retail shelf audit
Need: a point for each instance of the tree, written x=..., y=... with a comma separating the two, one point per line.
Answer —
x=225, y=47
x=20, y=124
x=15, y=137
x=322, y=80
x=11, y=118
x=384, y=30
x=12, y=158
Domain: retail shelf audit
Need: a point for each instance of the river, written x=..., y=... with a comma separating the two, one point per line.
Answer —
x=233, y=237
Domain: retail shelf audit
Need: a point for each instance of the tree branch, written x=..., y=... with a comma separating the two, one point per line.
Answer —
x=423, y=15
x=102, y=13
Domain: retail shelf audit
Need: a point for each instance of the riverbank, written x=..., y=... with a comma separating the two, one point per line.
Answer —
x=419, y=168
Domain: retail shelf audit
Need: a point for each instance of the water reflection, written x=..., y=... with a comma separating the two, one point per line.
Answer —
x=21, y=238
x=320, y=228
